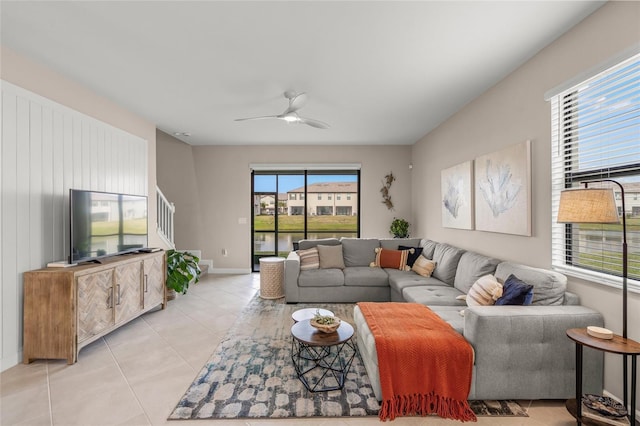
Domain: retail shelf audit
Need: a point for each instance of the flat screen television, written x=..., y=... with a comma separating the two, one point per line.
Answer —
x=105, y=224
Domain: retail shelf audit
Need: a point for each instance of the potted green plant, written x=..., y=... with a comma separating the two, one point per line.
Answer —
x=399, y=228
x=182, y=269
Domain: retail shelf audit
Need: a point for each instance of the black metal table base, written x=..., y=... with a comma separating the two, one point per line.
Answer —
x=327, y=361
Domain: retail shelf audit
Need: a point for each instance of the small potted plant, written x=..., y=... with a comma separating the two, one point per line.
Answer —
x=399, y=228
x=182, y=269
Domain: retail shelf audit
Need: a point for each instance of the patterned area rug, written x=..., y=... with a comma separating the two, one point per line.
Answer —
x=251, y=375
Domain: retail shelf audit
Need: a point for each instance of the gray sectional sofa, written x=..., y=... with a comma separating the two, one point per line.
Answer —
x=521, y=352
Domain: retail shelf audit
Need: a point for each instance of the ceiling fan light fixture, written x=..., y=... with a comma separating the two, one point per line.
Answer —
x=291, y=118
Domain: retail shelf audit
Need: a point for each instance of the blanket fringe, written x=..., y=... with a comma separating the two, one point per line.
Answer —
x=425, y=404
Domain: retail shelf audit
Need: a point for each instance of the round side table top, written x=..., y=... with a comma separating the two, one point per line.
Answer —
x=308, y=313
x=304, y=332
x=271, y=259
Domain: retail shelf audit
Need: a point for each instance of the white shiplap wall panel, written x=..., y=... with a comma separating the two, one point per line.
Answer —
x=11, y=333
x=59, y=212
x=47, y=149
x=34, y=172
x=47, y=182
x=9, y=217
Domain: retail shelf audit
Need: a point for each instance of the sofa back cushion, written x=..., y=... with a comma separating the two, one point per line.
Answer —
x=548, y=286
x=471, y=268
x=394, y=243
x=446, y=258
x=307, y=244
x=428, y=247
x=359, y=251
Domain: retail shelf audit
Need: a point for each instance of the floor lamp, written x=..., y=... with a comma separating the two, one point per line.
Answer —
x=598, y=205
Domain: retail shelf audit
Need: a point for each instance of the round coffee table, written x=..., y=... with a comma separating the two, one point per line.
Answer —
x=308, y=313
x=322, y=360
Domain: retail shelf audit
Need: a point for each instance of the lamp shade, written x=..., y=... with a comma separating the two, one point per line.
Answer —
x=588, y=205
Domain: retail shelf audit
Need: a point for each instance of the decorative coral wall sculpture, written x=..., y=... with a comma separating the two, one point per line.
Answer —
x=386, y=185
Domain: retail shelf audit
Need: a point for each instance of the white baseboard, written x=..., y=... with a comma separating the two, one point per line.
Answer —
x=230, y=271
x=209, y=263
x=10, y=361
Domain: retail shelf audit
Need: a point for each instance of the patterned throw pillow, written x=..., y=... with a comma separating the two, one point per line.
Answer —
x=395, y=259
x=484, y=292
x=423, y=266
x=309, y=259
x=331, y=257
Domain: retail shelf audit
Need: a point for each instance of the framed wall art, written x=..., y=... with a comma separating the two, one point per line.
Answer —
x=503, y=190
x=457, y=196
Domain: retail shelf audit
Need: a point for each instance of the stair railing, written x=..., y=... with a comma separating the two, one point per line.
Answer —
x=166, y=210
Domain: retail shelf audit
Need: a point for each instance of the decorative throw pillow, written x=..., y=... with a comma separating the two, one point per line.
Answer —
x=309, y=259
x=395, y=259
x=484, y=292
x=515, y=292
x=413, y=256
x=423, y=266
x=330, y=257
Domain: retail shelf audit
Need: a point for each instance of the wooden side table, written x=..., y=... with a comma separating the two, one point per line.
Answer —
x=271, y=277
x=617, y=345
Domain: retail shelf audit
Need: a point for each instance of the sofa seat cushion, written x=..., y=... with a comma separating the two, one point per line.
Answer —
x=359, y=251
x=399, y=280
x=451, y=314
x=471, y=267
x=365, y=276
x=321, y=278
x=548, y=286
x=436, y=295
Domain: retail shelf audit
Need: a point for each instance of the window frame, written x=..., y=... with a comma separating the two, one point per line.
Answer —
x=564, y=175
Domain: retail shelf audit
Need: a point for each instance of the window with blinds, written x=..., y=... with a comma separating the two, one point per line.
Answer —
x=596, y=135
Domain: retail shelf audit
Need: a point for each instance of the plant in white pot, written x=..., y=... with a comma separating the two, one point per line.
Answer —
x=399, y=228
x=182, y=270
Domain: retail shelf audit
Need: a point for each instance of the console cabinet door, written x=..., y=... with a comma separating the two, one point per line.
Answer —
x=128, y=291
x=95, y=303
x=153, y=281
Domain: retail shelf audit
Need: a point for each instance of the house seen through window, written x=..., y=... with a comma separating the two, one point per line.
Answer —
x=284, y=213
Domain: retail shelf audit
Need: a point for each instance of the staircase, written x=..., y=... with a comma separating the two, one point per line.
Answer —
x=165, y=212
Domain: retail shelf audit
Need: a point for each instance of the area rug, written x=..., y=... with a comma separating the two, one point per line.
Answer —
x=251, y=375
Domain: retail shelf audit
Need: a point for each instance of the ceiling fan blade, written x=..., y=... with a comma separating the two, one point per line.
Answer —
x=257, y=118
x=296, y=102
x=314, y=123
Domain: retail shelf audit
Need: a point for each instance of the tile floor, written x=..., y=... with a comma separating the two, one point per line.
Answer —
x=136, y=375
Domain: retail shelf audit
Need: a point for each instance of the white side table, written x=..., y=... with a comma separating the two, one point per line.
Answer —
x=271, y=277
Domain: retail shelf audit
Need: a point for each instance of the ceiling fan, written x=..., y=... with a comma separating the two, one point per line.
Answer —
x=290, y=115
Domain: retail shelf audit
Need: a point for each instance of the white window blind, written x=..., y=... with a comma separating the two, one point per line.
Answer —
x=596, y=135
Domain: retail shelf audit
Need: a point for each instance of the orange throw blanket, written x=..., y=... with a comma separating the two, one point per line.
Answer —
x=425, y=366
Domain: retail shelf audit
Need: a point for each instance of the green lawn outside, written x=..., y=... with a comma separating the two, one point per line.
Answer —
x=314, y=223
x=613, y=262
x=633, y=225
x=135, y=227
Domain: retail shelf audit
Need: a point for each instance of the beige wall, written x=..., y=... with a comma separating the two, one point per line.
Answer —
x=177, y=180
x=224, y=190
x=512, y=111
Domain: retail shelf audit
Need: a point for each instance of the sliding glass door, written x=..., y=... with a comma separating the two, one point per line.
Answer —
x=289, y=206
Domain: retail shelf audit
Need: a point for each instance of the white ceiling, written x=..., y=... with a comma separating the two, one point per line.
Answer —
x=377, y=72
